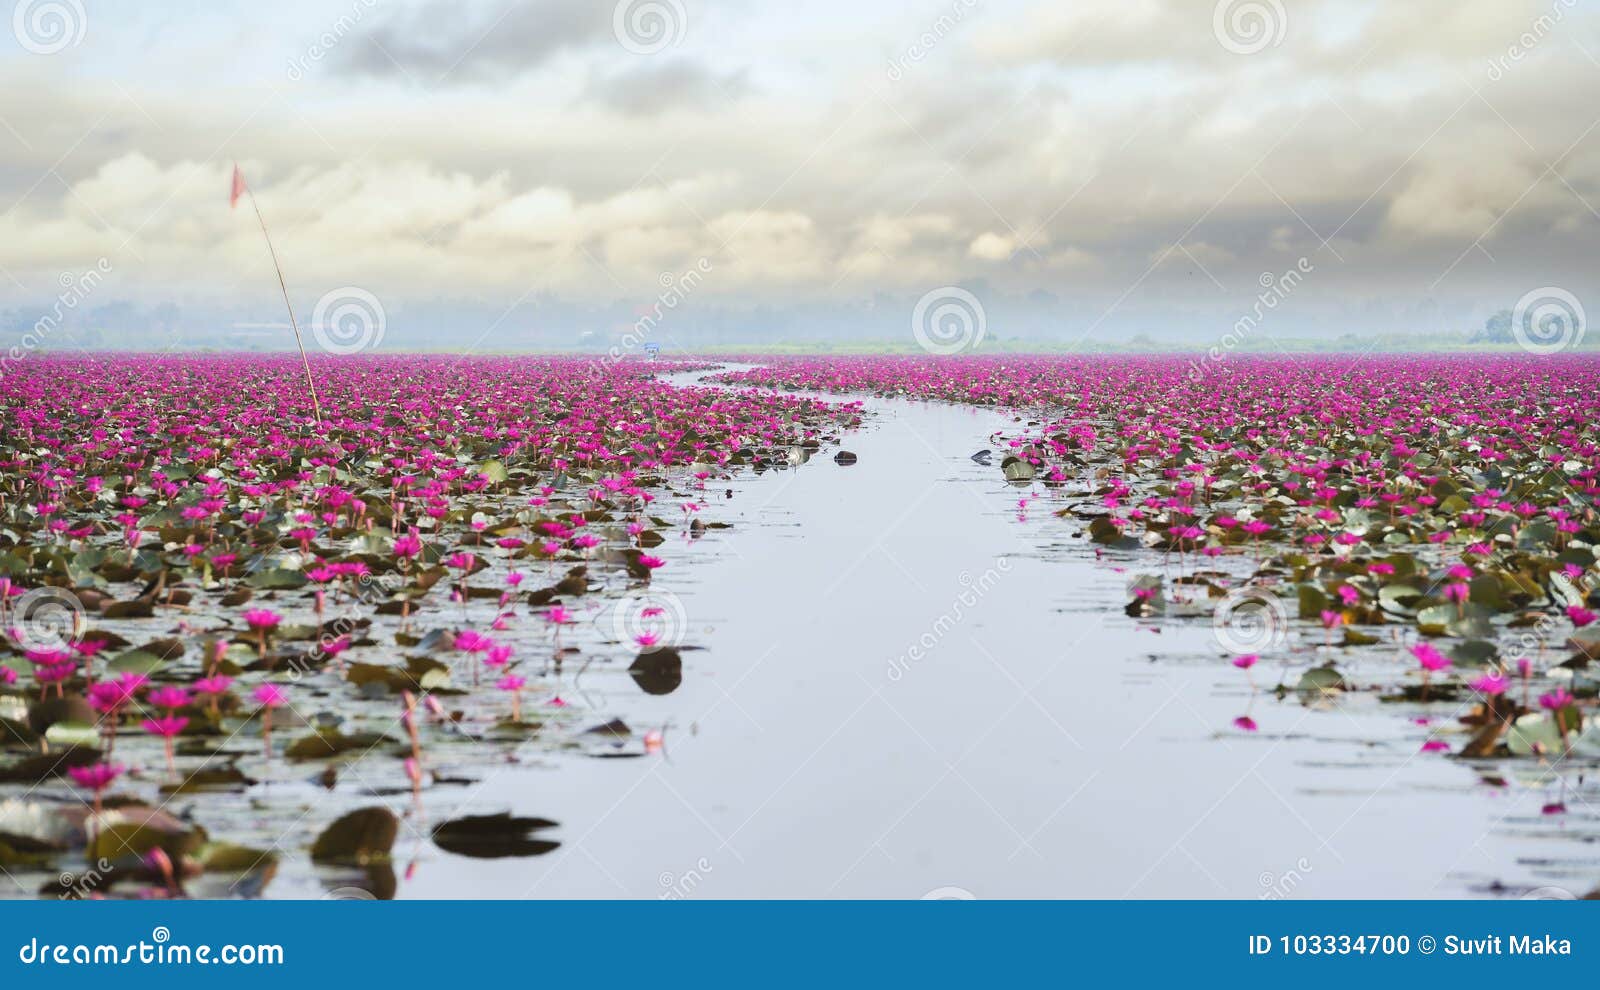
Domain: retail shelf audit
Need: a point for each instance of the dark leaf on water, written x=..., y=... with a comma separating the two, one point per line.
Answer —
x=1104, y=531
x=360, y=837
x=224, y=857
x=11, y=857
x=50, y=711
x=494, y=836
x=166, y=649
x=331, y=742
x=136, y=832
x=658, y=671
x=616, y=728
x=35, y=769
x=228, y=778
x=135, y=609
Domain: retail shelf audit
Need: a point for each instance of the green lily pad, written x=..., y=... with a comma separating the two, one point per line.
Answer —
x=358, y=838
x=1016, y=469
x=1321, y=679
x=1535, y=732
x=276, y=578
x=328, y=743
x=135, y=662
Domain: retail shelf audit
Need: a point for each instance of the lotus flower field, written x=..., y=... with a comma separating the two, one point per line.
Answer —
x=1435, y=512
x=206, y=591
x=238, y=638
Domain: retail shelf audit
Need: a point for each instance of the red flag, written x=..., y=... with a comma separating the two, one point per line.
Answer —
x=238, y=188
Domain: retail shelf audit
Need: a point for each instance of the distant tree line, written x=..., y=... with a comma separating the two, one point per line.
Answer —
x=1496, y=330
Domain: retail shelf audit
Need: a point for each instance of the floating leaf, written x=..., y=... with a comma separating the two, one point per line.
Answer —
x=1534, y=733
x=1321, y=679
x=327, y=743
x=36, y=769
x=136, y=609
x=1016, y=469
x=494, y=836
x=276, y=578
x=658, y=671
x=73, y=734
x=357, y=838
x=135, y=662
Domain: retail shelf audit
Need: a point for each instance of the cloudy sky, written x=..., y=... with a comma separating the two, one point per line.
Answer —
x=1089, y=170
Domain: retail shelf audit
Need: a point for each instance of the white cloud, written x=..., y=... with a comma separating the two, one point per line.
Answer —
x=990, y=246
x=1048, y=148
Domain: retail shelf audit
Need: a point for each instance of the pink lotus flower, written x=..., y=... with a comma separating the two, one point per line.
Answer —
x=1490, y=684
x=1429, y=657
x=109, y=697
x=1579, y=615
x=1556, y=700
x=651, y=563
x=55, y=674
x=212, y=685
x=261, y=619
x=167, y=726
x=270, y=696
x=469, y=641
x=48, y=658
x=96, y=776
x=168, y=697
x=1246, y=661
